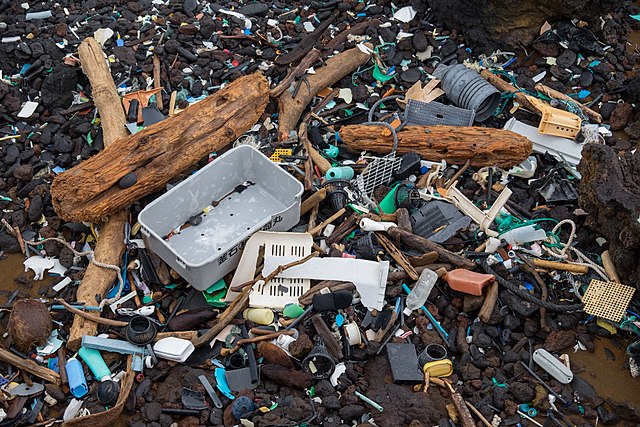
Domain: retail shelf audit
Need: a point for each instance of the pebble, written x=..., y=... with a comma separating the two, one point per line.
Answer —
x=411, y=76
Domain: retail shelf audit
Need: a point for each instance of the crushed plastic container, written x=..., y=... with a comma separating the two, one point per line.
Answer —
x=205, y=252
x=420, y=292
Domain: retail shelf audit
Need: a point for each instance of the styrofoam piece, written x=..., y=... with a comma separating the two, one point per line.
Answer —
x=204, y=253
x=483, y=218
x=369, y=277
x=561, y=148
x=521, y=235
x=553, y=366
x=172, y=348
x=280, y=291
x=367, y=224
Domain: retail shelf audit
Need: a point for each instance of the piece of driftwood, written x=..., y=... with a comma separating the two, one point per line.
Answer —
x=310, y=58
x=356, y=30
x=110, y=244
x=397, y=255
x=305, y=45
x=29, y=366
x=425, y=245
x=455, y=144
x=290, y=107
x=504, y=86
x=236, y=307
x=424, y=259
x=490, y=299
x=90, y=191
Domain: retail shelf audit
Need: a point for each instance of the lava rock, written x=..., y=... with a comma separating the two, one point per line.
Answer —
x=153, y=411
x=567, y=58
x=351, y=412
x=620, y=116
x=522, y=392
x=559, y=340
x=23, y=172
x=128, y=180
x=411, y=76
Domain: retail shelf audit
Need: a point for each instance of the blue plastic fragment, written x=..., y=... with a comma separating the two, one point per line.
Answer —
x=583, y=94
x=221, y=383
x=119, y=42
x=24, y=69
x=339, y=320
x=636, y=17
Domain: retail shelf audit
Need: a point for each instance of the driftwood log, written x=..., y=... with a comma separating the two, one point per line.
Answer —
x=110, y=244
x=455, y=144
x=290, y=107
x=90, y=191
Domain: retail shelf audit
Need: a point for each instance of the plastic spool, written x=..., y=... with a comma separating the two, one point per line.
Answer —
x=342, y=172
x=319, y=362
x=141, y=331
x=365, y=246
x=431, y=353
x=407, y=196
x=261, y=316
x=467, y=89
x=337, y=196
x=352, y=332
x=107, y=392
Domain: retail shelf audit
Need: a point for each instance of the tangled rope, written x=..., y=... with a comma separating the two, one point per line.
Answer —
x=93, y=261
x=560, y=250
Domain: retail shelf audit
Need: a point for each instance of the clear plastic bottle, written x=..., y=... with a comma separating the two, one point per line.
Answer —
x=420, y=292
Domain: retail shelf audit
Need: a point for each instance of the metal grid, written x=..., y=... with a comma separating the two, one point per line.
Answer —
x=377, y=173
x=608, y=300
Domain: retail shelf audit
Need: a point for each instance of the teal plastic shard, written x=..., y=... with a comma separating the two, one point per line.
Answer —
x=380, y=76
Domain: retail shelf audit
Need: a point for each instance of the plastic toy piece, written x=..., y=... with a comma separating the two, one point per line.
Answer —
x=561, y=148
x=369, y=277
x=553, y=366
x=483, y=218
x=25, y=390
x=555, y=121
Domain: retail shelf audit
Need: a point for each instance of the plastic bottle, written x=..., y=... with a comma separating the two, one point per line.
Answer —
x=420, y=292
x=77, y=381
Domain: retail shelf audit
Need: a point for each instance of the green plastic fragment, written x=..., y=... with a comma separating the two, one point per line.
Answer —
x=379, y=75
x=147, y=299
x=292, y=311
x=89, y=139
x=215, y=293
x=297, y=20
x=497, y=384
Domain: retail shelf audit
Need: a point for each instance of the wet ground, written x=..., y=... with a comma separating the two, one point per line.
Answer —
x=606, y=369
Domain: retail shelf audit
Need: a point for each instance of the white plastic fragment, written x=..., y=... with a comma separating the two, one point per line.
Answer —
x=346, y=95
x=308, y=26
x=367, y=224
x=38, y=265
x=102, y=35
x=72, y=410
x=172, y=348
x=38, y=15
x=340, y=369
x=28, y=109
x=62, y=284
x=369, y=277
x=405, y=14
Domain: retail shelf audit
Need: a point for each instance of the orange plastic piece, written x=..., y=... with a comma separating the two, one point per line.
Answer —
x=143, y=97
x=466, y=281
x=394, y=124
x=555, y=121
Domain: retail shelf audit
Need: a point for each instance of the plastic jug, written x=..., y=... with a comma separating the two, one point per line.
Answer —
x=466, y=281
x=420, y=292
x=77, y=381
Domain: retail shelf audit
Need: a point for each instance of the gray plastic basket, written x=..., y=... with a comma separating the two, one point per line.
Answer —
x=437, y=114
x=204, y=253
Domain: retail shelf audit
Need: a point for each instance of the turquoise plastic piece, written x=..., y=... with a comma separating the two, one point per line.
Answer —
x=340, y=172
x=95, y=362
